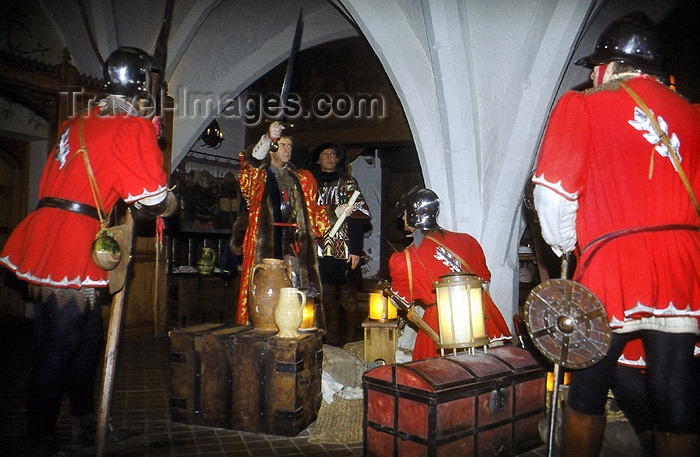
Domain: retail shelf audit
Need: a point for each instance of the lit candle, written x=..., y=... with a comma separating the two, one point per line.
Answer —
x=446, y=316
x=391, y=310
x=476, y=308
x=380, y=309
x=376, y=305
x=460, y=311
x=308, y=314
x=461, y=318
x=550, y=380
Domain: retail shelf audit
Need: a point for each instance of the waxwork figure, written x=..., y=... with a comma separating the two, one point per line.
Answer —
x=340, y=254
x=616, y=177
x=104, y=154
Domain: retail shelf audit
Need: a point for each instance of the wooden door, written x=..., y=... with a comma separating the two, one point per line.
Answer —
x=400, y=172
x=145, y=312
x=14, y=187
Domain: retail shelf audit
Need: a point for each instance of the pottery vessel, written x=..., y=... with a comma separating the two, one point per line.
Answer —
x=266, y=280
x=288, y=314
x=205, y=264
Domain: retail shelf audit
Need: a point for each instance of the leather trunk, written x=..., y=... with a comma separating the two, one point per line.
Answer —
x=488, y=404
x=216, y=371
x=276, y=382
x=185, y=371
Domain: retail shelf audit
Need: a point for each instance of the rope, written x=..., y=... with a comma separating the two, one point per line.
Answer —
x=94, y=189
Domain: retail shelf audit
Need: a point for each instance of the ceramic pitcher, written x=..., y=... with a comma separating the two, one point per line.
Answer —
x=205, y=264
x=266, y=280
x=288, y=314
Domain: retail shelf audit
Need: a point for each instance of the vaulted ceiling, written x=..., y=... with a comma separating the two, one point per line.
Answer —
x=475, y=79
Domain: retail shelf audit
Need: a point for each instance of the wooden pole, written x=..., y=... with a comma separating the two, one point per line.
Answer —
x=110, y=359
x=554, y=400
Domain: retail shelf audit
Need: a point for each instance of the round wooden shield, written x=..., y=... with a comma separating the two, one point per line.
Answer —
x=567, y=323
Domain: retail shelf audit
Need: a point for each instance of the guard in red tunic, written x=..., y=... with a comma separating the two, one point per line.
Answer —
x=51, y=247
x=433, y=253
x=617, y=175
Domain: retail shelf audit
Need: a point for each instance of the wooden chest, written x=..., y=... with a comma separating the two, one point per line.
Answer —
x=464, y=405
x=276, y=382
x=185, y=371
x=216, y=376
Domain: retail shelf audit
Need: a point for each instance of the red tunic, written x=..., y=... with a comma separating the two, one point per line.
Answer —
x=52, y=246
x=428, y=263
x=597, y=150
x=252, y=182
x=633, y=354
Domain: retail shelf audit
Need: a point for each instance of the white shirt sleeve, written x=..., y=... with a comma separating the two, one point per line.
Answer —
x=261, y=148
x=557, y=217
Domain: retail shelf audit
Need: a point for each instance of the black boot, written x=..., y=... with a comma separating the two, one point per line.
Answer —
x=350, y=329
x=351, y=322
x=331, y=310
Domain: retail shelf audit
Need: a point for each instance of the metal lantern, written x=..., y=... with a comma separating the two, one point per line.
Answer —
x=309, y=314
x=212, y=135
x=381, y=327
x=380, y=309
x=460, y=312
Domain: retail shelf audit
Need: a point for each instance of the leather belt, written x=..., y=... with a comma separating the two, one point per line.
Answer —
x=602, y=240
x=69, y=205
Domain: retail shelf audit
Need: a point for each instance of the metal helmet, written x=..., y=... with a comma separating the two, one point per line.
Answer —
x=421, y=207
x=127, y=71
x=632, y=39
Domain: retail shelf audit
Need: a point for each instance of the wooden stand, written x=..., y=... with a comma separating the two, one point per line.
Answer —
x=381, y=340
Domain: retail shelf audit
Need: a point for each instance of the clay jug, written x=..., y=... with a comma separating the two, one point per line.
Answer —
x=205, y=264
x=288, y=314
x=266, y=280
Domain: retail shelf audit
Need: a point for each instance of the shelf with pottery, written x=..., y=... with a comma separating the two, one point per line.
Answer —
x=196, y=298
x=202, y=278
x=185, y=250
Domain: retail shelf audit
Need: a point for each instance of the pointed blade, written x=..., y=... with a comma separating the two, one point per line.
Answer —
x=291, y=63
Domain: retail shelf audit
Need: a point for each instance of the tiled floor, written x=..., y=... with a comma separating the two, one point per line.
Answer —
x=140, y=406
